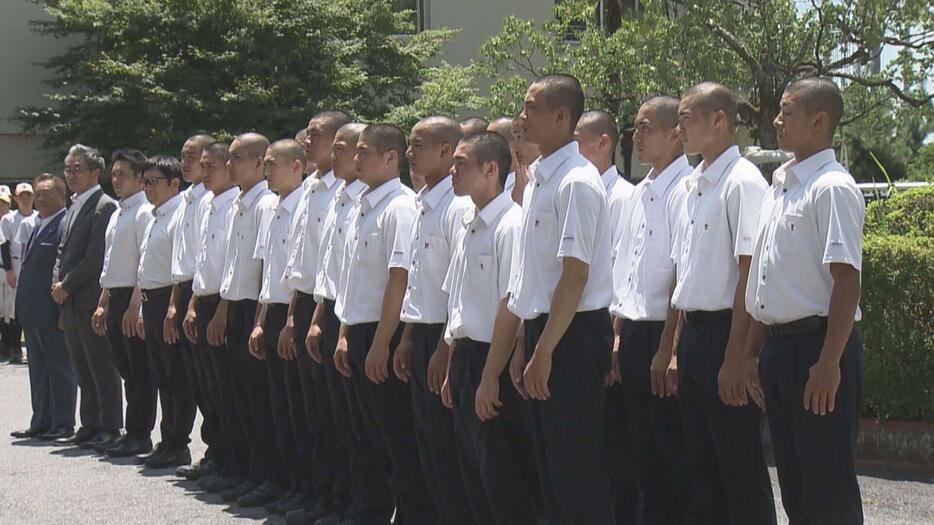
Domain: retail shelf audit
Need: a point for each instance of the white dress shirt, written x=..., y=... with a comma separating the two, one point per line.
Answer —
x=11, y=224
x=186, y=242
x=124, y=241
x=714, y=224
x=243, y=271
x=209, y=261
x=642, y=267
x=481, y=261
x=380, y=238
x=611, y=178
x=811, y=217
x=564, y=214
x=155, y=265
x=439, y=215
x=333, y=239
x=618, y=202
x=272, y=246
x=510, y=182
x=304, y=255
x=77, y=202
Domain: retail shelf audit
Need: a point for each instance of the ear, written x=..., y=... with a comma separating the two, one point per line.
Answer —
x=392, y=156
x=447, y=150
x=821, y=121
x=605, y=141
x=297, y=166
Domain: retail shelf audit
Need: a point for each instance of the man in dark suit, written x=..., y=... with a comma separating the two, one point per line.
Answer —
x=76, y=288
x=51, y=379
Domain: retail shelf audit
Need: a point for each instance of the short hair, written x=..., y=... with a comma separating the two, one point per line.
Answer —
x=254, y=143
x=385, y=137
x=218, y=149
x=601, y=122
x=818, y=94
x=560, y=90
x=489, y=146
x=290, y=150
x=134, y=157
x=58, y=183
x=333, y=120
x=472, y=125
x=503, y=126
x=92, y=158
x=169, y=167
x=301, y=135
x=201, y=140
x=664, y=108
x=444, y=128
x=353, y=128
x=711, y=97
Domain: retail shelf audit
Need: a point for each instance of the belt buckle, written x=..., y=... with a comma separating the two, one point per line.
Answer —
x=144, y=296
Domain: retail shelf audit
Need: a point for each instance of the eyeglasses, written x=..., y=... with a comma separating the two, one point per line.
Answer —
x=152, y=181
x=73, y=170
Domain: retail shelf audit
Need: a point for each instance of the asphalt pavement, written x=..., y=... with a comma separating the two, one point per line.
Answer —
x=42, y=484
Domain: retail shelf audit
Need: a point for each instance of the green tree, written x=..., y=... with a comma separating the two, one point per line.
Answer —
x=755, y=46
x=148, y=73
x=922, y=166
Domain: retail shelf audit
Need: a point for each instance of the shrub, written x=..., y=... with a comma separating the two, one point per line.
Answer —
x=898, y=325
x=909, y=212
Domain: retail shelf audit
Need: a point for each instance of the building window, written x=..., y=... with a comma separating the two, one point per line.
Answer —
x=416, y=13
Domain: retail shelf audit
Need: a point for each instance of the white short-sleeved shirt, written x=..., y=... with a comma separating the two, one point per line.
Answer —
x=611, y=178
x=209, y=261
x=715, y=223
x=186, y=242
x=333, y=238
x=478, y=276
x=811, y=217
x=243, y=271
x=11, y=224
x=564, y=214
x=272, y=246
x=379, y=238
x=618, y=202
x=439, y=214
x=124, y=241
x=155, y=260
x=510, y=182
x=304, y=256
x=642, y=267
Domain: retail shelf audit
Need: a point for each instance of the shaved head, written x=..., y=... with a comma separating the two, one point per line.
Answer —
x=664, y=108
x=560, y=90
x=503, y=126
x=350, y=132
x=600, y=122
x=288, y=150
x=332, y=120
x=472, y=125
x=818, y=94
x=443, y=129
x=710, y=97
x=218, y=150
x=253, y=144
x=385, y=137
x=201, y=140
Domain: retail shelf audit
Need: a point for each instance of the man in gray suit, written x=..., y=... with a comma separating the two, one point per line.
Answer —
x=76, y=287
x=51, y=379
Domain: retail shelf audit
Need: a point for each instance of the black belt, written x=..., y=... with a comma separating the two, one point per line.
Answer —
x=704, y=316
x=807, y=325
x=155, y=292
x=214, y=298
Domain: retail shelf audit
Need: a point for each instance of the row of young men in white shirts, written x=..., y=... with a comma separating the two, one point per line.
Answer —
x=340, y=319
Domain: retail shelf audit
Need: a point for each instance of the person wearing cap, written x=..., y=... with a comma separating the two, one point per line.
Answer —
x=10, y=224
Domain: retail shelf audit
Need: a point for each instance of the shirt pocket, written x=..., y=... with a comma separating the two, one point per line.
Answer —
x=432, y=250
x=369, y=250
x=791, y=237
x=481, y=275
x=544, y=225
x=709, y=231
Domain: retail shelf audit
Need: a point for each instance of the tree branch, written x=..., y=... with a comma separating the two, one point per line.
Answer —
x=730, y=40
x=886, y=83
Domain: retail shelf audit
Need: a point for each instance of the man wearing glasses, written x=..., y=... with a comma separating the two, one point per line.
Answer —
x=76, y=288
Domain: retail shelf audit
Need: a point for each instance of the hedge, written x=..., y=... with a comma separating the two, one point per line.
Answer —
x=898, y=307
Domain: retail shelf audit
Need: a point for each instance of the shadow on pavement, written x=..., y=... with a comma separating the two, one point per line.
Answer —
x=73, y=452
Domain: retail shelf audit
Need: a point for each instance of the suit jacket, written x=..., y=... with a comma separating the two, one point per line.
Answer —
x=81, y=252
x=34, y=304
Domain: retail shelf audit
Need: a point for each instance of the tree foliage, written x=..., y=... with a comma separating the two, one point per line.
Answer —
x=755, y=46
x=149, y=73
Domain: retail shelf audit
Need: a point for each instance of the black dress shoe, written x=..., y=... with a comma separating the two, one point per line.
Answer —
x=159, y=449
x=131, y=446
x=57, y=433
x=29, y=433
x=205, y=467
x=265, y=494
x=104, y=446
x=244, y=488
x=83, y=435
x=17, y=359
x=220, y=484
x=169, y=458
x=102, y=439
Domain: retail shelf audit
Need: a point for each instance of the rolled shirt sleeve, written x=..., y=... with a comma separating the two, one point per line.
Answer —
x=840, y=215
x=580, y=209
x=397, y=233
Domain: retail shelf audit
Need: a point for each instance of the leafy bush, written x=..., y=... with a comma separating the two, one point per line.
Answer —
x=908, y=213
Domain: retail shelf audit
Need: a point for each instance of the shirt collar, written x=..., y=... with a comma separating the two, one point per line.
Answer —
x=224, y=198
x=804, y=170
x=314, y=180
x=544, y=167
x=664, y=180
x=247, y=199
x=195, y=192
x=45, y=220
x=510, y=181
x=167, y=207
x=290, y=201
x=716, y=169
x=431, y=198
x=609, y=176
x=128, y=203
x=86, y=194
x=495, y=208
x=374, y=195
x=351, y=191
